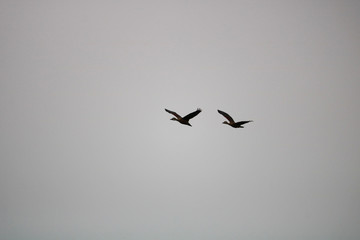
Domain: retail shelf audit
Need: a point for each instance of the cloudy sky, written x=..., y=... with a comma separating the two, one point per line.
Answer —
x=88, y=152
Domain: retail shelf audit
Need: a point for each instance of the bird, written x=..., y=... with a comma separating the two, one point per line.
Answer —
x=183, y=120
x=231, y=122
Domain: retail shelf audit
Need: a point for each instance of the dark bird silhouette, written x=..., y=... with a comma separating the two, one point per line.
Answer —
x=231, y=120
x=184, y=120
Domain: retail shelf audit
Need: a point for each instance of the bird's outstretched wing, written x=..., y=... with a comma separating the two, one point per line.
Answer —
x=239, y=124
x=227, y=116
x=243, y=122
x=173, y=113
x=191, y=115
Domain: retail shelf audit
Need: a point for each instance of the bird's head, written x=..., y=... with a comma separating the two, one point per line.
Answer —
x=225, y=122
x=188, y=124
x=175, y=119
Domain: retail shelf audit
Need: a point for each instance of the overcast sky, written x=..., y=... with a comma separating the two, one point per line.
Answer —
x=88, y=152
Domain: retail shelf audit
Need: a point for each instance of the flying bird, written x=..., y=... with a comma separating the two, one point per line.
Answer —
x=231, y=120
x=184, y=120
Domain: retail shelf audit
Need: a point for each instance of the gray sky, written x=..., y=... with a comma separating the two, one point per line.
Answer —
x=88, y=152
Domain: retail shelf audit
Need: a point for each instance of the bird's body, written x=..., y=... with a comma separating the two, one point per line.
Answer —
x=231, y=121
x=183, y=120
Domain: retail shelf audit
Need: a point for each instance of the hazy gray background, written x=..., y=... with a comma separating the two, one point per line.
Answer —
x=88, y=152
